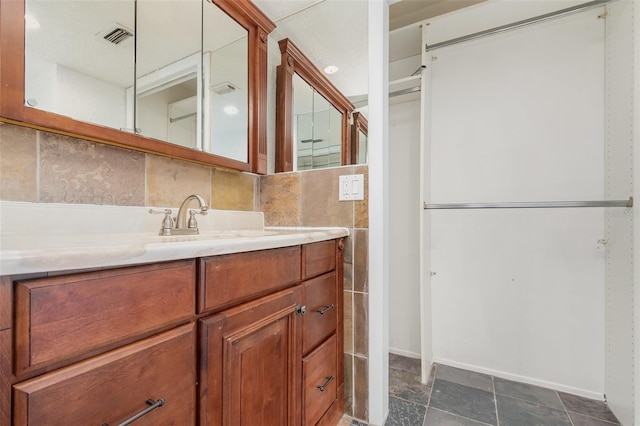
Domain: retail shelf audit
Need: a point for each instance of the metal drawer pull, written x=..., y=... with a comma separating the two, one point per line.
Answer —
x=326, y=308
x=152, y=405
x=323, y=387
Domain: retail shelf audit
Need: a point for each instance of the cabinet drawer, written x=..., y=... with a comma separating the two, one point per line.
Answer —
x=63, y=317
x=114, y=386
x=229, y=279
x=322, y=311
x=319, y=258
x=319, y=375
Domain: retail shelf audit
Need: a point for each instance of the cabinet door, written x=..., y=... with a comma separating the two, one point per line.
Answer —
x=157, y=372
x=249, y=374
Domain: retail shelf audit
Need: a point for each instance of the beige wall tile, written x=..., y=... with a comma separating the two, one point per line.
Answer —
x=348, y=276
x=79, y=171
x=170, y=181
x=348, y=322
x=361, y=260
x=348, y=247
x=232, y=190
x=18, y=163
x=360, y=324
x=361, y=208
x=319, y=198
x=361, y=388
x=348, y=384
x=280, y=199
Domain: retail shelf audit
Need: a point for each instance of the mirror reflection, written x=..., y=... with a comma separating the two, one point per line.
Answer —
x=168, y=71
x=79, y=58
x=332, y=35
x=317, y=128
x=191, y=67
x=226, y=65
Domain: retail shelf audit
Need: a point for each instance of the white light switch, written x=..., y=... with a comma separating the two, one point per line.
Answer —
x=351, y=187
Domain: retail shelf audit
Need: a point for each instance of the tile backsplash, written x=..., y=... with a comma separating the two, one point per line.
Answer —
x=43, y=167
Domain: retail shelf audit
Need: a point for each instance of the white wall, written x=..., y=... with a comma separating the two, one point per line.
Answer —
x=404, y=216
x=86, y=98
x=619, y=224
x=519, y=117
x=64, y=91
x=636, y=157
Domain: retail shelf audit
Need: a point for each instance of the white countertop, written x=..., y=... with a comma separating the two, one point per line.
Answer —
x=63, y=237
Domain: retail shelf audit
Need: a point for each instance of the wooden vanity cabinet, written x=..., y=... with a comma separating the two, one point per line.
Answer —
x=241, y=339
x=323, y=343
x=274, y=361
x=248, y=373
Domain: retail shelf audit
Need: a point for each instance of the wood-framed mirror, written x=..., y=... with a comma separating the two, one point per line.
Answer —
x=312, y=115
x=19, y=108
x=359, y=139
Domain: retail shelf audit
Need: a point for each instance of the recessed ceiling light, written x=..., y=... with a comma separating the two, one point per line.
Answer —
x=30, y=22
x=331, y=69
x=230, y=110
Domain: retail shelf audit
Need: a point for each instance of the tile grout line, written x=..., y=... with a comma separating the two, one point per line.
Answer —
x=565, y=408
x=591, y=417
x=535, y=402
x=463, y=417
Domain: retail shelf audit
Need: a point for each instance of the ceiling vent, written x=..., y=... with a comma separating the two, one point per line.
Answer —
x=224, y=88
x=116, y=34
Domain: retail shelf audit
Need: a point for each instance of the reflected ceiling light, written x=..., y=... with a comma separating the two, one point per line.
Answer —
x=30, y=22
x=230, y=110
x=331, y=69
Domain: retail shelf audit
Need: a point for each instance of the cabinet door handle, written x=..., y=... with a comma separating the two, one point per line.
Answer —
x=301, y=310
x=324, y=386
x=326, y=308
x=152, y=405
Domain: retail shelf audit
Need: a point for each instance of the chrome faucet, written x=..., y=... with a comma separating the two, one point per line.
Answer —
x=181, y=219
x=182, y=225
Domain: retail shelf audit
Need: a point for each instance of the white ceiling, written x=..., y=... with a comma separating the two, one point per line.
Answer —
x=328, y=32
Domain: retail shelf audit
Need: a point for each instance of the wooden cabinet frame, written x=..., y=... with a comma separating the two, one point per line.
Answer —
x=294, y=61
x=13, y=109
x=360, y=124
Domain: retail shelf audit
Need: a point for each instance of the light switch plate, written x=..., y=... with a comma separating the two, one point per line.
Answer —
x=351, y=187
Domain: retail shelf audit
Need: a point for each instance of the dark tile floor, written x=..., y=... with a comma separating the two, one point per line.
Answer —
x=455, y=397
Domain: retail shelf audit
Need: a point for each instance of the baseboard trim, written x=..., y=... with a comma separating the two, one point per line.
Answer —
x=523, y=379
x=402, y=352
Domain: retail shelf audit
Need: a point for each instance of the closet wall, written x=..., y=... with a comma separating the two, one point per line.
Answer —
x=620, y=269
x=405, y=206
x=542, y=296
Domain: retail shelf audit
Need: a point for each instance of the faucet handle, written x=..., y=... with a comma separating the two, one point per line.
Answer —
x=167, y=221
x=160, y=211
x=192, y=223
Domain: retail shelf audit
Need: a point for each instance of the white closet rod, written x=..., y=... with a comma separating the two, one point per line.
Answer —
x=531, y=205
x=518, y=24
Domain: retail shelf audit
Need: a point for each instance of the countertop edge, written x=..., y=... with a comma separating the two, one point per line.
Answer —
x=73, y=258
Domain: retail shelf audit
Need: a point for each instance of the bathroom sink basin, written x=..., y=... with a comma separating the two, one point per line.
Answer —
x=220, y=234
